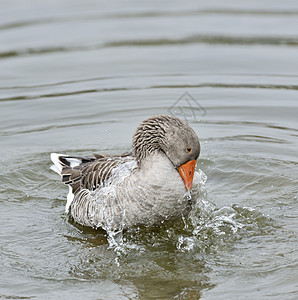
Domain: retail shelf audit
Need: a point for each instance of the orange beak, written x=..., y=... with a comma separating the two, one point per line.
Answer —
x=187, y=171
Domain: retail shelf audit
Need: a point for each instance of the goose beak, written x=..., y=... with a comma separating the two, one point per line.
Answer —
x=187, y=171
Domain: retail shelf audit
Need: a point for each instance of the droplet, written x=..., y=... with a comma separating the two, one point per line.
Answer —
x=188, y=196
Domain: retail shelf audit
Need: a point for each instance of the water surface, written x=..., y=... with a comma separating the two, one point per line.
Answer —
x=77, y=77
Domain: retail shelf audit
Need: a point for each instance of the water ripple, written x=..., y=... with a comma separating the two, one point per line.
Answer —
x=147, y=14
x=210, y=39
x=184, y=86
x=195, y=39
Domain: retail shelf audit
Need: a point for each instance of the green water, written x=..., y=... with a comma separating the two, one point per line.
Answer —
x=78, y=76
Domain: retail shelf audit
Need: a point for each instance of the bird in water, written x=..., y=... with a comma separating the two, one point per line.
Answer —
x=144, y=187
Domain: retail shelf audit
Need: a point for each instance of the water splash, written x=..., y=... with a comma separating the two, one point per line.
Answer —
x=117, y=239
x=206, y=228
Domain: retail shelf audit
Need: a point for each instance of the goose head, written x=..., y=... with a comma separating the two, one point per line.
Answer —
x=172, y=136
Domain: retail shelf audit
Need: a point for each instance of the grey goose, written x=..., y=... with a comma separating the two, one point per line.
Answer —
x=144, y=187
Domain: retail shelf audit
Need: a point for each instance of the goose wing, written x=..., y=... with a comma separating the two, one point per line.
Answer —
x=87, y=173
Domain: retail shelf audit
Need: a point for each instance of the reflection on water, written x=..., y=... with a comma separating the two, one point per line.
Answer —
x=78, y=77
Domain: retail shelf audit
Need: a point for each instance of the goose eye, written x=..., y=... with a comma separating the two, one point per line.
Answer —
x=189, y=149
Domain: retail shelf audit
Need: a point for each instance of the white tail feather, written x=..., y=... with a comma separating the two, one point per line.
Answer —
x=74, y=162
x=55, y=169
x=70, y=197
x=58, y=165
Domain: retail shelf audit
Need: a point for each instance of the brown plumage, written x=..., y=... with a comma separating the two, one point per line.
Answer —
x=93, y=172
x=142, y=187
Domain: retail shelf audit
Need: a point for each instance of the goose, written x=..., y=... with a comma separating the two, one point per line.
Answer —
x=145, y=187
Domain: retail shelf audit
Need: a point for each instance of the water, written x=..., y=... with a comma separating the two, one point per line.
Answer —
x=77, y=77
